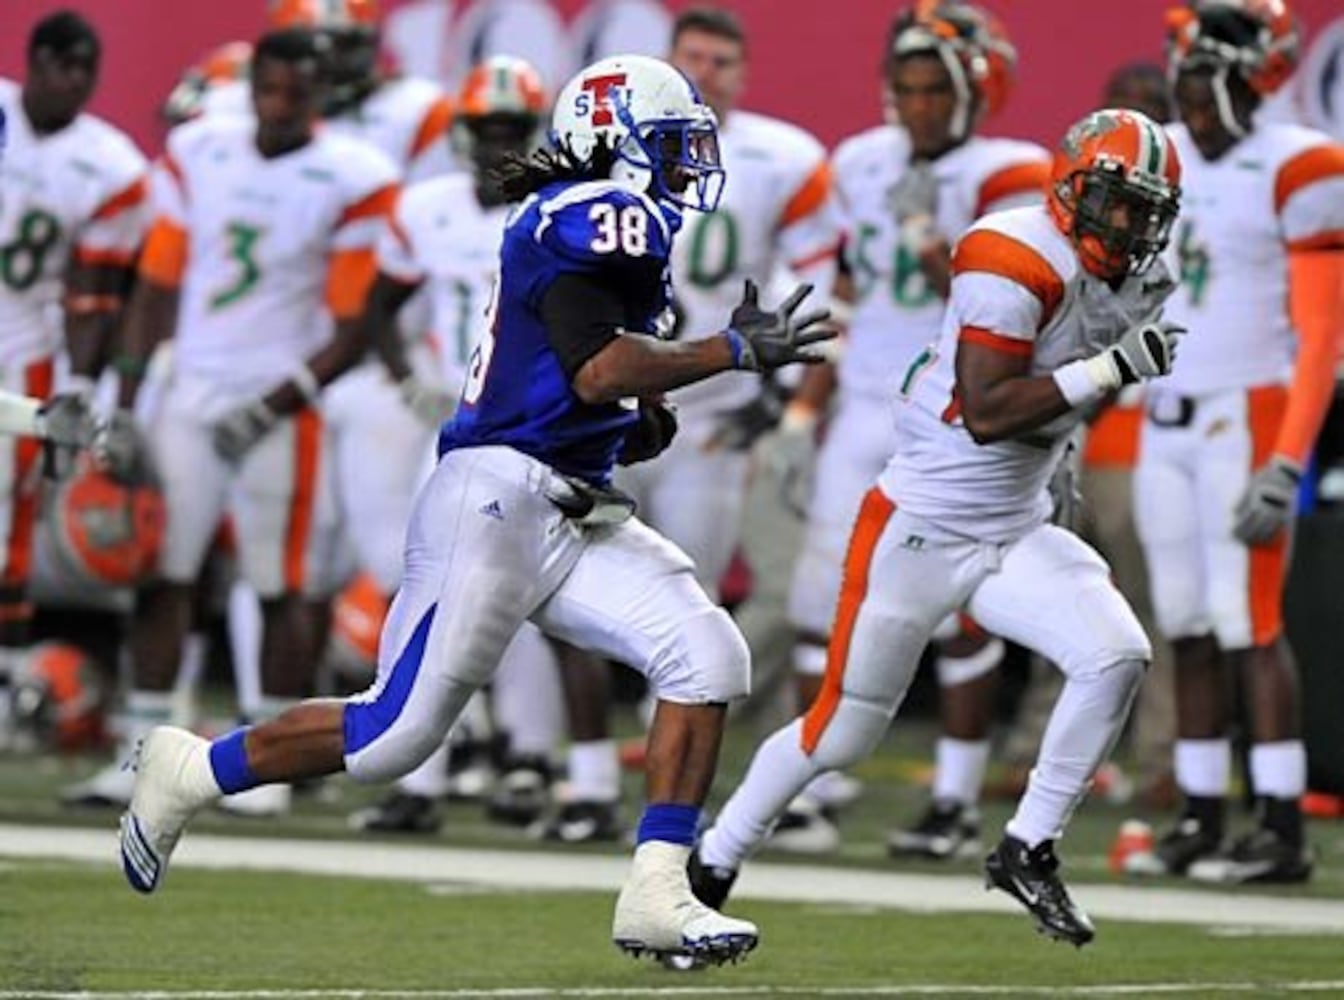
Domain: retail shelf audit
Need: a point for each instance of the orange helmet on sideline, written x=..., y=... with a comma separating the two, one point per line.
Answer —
x=356, y=624
x=105, y=533
x=57, y=700
x=226, y=64
x=974, y=47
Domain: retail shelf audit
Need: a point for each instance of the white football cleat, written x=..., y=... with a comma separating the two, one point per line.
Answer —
x=112, y=786
x=173, y=780
x=261, y=802
x=657, y=915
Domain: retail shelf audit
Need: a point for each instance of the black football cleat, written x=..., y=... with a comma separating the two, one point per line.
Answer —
x=1030, y=875
x=400, y=812
x=1260, y=856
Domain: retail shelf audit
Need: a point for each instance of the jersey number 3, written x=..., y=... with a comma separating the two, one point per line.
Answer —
x=626, y=229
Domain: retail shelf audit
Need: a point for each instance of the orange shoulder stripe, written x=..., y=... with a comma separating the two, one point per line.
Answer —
x=433, y=127
x=133, y=194
x=350, y=274
x=1331, y=239
x=1305, y=168
x=380, y=202
x=165, y=256
x=991, y=252
x=809, y=197
x=995, y=341
x=1015, y=179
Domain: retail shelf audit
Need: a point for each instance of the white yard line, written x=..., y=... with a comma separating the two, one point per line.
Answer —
x=932, y=989
x=557, y=871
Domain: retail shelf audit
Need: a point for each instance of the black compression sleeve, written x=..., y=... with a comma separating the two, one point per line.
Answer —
x=582, y=316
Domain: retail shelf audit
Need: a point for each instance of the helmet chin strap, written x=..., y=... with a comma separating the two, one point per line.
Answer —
x=1222, y=99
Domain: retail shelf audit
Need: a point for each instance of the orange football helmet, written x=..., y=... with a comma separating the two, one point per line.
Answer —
x=106, y=533
x=281, y=14
x=356, y=624
x=1115, y=190
x=972, y=44
x=499, y=111
x=1257, y=39
x=58, y=699
x=225, y=64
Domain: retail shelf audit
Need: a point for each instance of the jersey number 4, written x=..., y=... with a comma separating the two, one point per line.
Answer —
x=626, y=229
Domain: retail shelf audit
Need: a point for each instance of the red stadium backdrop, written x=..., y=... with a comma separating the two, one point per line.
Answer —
x=814, y=63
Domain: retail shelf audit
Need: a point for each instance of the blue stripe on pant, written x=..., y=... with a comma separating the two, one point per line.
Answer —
x=365, y=721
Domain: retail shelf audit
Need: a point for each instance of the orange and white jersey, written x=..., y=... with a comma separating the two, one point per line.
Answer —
x=895, y=312
x=440, y=234
x=777, y=210
x=1016, y=287
x=80, y=192
x=1279, y=189
x=263, y=249
x=406, y=118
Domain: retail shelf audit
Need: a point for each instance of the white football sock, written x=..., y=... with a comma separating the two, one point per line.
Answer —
x=1203, y=767
x=959, y=770
x=1279, y=770
x=430, y=779
x=245, y=646
x=144, y=711
x=594, y=771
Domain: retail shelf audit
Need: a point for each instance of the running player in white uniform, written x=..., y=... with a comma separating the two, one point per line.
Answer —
x=244, y=279
x=1050, y=313
x=72, y=214
x=907, y=191
x=1228, y=434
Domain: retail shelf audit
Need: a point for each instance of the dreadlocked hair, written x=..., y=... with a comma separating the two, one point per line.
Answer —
x=518, y=176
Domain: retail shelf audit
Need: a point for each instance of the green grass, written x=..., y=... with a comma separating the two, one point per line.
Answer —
x=76, y=927
x=67, y=927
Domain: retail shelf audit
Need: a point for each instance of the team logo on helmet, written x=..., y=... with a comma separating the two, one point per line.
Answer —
x=1115, y=190
x=106, y=533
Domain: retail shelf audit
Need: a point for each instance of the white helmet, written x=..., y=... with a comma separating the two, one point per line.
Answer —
x=664, y=137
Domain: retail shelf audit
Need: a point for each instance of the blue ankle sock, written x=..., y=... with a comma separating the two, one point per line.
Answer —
x=666, y=821
x=228, y=761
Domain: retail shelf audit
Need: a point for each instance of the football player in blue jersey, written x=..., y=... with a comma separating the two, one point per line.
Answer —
x=519, y=520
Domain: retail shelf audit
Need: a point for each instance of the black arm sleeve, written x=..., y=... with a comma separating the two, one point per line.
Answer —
x=582, y=316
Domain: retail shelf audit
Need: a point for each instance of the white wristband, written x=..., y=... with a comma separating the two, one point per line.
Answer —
x=1083, y=382
x=19, y=415
x=306, y=382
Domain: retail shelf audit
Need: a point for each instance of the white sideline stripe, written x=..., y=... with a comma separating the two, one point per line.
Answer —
x=533, y=871
x=914, y=989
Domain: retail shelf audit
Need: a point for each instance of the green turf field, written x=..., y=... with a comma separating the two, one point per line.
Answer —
x=69, y=928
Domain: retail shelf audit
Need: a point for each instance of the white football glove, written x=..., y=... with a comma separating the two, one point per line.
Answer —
x=788, y=455
x=120, y=450
x=431, y=403
x=1144, y=351
x=241, y=428
x=1267, y=505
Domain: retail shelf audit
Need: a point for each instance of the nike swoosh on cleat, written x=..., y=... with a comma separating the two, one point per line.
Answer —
x=1023, y=893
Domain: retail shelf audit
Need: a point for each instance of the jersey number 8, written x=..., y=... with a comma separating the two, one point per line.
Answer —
x=627, y=229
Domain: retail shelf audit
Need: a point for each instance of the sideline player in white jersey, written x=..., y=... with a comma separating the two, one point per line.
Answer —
x=72, y=214
x=1228, y=434
x=444, y=236
x=264, y=227
x=907, y=192
x=777, y=212
x=777, y=209
x=373, y=436
x=1051, y=311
